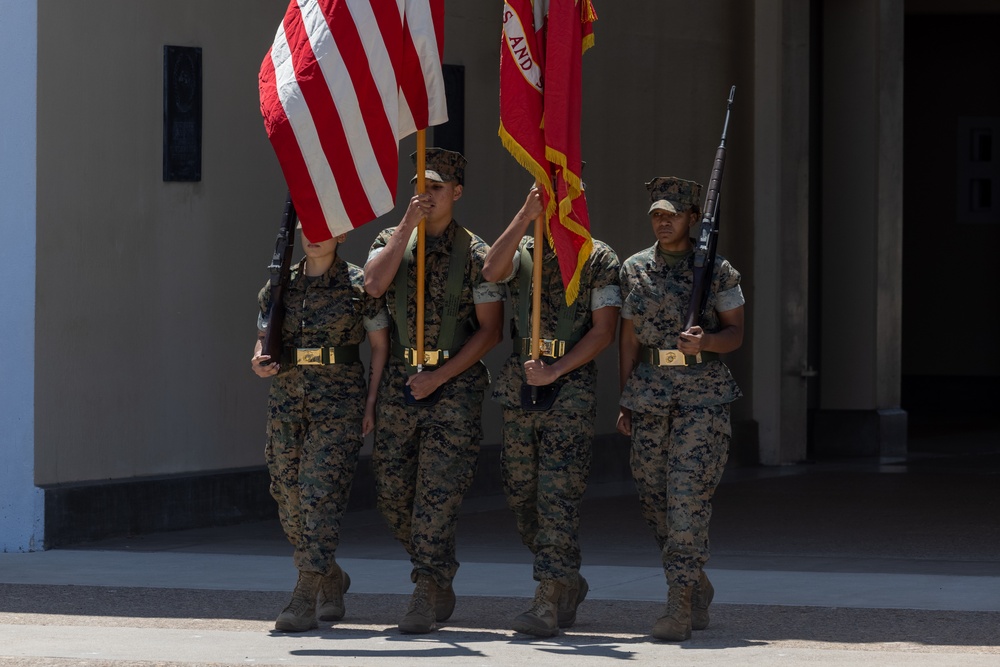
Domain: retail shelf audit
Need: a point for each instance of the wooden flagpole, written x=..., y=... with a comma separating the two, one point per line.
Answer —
x=536, y=282
x=421, y=247
x=536, y=292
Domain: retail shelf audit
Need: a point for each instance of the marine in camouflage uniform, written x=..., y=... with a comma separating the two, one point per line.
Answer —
x=677, y=415
x=546, y=455
x=317, y=414
x=425, y=456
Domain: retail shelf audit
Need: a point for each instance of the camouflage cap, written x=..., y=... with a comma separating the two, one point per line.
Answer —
x=669, y=193
x=442, y=166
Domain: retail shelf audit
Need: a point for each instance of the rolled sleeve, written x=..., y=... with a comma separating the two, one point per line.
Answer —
x=603, y=297
x=487, y=293
x=377, y=322
x=729, y=299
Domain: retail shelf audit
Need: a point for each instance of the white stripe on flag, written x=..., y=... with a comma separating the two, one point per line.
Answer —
x=301, y=121
x=380, y=194
x=361, y=126
x=420, y=21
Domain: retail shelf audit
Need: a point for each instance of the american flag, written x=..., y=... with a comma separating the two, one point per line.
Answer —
x=343, y=82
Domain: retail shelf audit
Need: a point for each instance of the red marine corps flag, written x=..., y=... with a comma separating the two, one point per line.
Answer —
x=540, y=108
x=342, y=83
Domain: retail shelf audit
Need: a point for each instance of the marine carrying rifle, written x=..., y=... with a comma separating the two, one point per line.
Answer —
x=281, y=269
x=708, y=234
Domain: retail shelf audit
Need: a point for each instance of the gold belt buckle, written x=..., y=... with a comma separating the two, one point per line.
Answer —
x=552, y=347
x=431, y=357
x=309, y=356
x=673, y=358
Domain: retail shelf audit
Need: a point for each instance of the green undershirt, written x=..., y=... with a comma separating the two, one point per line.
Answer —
x=671, y=257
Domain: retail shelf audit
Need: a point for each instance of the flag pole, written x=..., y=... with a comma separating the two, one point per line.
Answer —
x=536, y=292
x=536, y=282
x=421, y=247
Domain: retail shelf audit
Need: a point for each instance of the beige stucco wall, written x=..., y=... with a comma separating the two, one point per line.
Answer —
x=146, y=290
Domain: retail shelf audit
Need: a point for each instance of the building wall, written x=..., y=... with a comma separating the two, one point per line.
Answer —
x=146, y=290
x=20, y=502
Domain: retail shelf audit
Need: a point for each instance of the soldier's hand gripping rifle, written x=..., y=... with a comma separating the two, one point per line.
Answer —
x=708, y=233
x=281, y=268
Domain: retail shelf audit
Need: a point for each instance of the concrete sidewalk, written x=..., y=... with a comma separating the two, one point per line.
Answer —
x=893, y=562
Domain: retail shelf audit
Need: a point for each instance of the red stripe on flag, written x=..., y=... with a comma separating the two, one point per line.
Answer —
x=420, y=82
x=331, y=94
x=331, y=133
x=293, y=166
x=380, y=130
x=413, y=87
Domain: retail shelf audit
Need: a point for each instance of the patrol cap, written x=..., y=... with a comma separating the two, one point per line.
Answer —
x=669, y=193
x=442, y=165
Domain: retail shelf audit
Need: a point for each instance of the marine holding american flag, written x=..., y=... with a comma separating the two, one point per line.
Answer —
x=428, y=423
x=343, y=81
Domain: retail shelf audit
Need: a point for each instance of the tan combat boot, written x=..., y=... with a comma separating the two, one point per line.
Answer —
x=541, y=619
x=420, y=617
x=570, y=600
x=300, y=614
x=675, y=623
x=331, y=595
x=700, y=599
x=444, y=602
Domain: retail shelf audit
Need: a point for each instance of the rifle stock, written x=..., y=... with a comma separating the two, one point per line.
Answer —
x=281, y=269
x=708, y=232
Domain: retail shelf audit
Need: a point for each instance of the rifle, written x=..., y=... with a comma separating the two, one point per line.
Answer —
x=708, y=235
x=281, y=268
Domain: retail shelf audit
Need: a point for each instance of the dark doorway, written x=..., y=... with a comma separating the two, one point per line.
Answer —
x=951, y=356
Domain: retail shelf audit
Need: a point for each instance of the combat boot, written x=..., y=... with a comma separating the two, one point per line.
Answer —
x=300, y=614
x=542, y=618
x=444, y=603
x=331, y=595
x=675, y=623
x=700, y=599
x=420, y=617
x=570, y=600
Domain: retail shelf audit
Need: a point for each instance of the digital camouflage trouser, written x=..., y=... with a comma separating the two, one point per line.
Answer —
x=424, y=461
x=677, y=461
x=545, y=462
x=312, y=467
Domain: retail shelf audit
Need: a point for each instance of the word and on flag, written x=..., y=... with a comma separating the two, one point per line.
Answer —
x=344, y=81
x=541, y=95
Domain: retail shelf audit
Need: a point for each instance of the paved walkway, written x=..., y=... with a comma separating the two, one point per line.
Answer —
x=880, y=563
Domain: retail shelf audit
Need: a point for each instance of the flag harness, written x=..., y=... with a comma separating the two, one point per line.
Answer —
x=449, y=335
x=534, y=397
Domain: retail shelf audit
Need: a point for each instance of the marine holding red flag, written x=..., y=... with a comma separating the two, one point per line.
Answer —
x=568, y=290
x=342, y=83
x=541, y=98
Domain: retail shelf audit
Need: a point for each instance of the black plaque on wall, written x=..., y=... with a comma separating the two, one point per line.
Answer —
x=181, y=113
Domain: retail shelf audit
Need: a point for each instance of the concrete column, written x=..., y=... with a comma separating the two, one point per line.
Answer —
x=21, y=503
x=862, y=229
x=778, y=307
